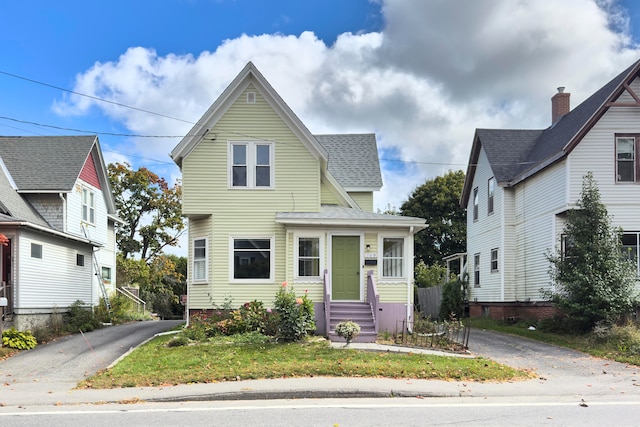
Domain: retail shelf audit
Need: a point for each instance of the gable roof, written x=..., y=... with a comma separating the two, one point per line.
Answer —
x=353, y=160
x=516, y=154
x=13, y=207
x=52, y=164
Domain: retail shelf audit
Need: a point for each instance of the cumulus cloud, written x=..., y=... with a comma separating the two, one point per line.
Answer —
x=424, y=83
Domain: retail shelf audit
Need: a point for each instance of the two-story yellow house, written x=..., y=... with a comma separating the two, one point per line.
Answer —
x=268, y=202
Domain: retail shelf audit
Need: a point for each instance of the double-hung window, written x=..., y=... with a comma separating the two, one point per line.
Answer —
x=252, y=259
x=475, y=204
x=627, y=158
x=476, y=270
x=308, y=257
x=88, y=206
x=494, y=260
x=251, y=164
x=491, y=191
x=392, y=257
x=200, y=260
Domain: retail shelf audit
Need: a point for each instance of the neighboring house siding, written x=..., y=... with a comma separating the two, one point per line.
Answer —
x=484, y=235
x=199, y=293
x=508, y=261
x=107, y=258
x=596, y=153
x=363, y=199
x=537, y=202
x=50, y=207
x=53, y=280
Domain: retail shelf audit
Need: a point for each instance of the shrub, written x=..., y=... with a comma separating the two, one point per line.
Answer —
x=348, y=330
x=80, y=318
x=178, y=341
x=454, y=297
x=13, y=338
x=296, y=318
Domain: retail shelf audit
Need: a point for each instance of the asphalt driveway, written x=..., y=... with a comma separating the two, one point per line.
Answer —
x=63, y=363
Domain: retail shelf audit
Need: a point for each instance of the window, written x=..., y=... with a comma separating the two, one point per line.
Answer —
x=36, y=250
x=88, y=206
x=630, y=245
x=80, y=260
x=393, y=257
x=252, y=259
x=309, y=257
x=106, y=274
x=626, y=159
x=199, y=260
x=475, y=204
x=491, y=189
x=494, y=260
x=476, y=270
x=251, y=164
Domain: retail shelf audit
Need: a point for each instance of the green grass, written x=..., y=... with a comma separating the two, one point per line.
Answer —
x=155, y=364
x=621, y=344
x=6, y=352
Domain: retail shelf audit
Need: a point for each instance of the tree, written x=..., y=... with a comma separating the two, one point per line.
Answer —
x=594, y=280
x=150, y=208
x=438, y=201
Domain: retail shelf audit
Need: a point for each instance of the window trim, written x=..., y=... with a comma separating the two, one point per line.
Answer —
x=204, y=259
x=496, y=260
x=475, y=204
x=272, y=259
x=106, y=277
x=79, y=260
x=476, y=270
x=404, y=257
x=251, y=164
x=89, y=215
x=38, y=250
x=297, y=257
x=491, y=192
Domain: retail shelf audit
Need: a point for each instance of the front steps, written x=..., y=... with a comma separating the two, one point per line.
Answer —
x=359, y=312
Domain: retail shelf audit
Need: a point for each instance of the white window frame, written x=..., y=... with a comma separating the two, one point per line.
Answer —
x=381, y=273
x=633, y=161
x=272, y=259
x=251, y=164
x=475, y=204
x=106, y=274
x=298, y=257
x=88, y=206
x=495, y=258
x=491, y=195
x=476, y=270
x=37, y=250
x=204, y=260
x=79, y=260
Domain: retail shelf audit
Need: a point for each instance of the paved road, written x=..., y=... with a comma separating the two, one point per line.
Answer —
x=61, y=364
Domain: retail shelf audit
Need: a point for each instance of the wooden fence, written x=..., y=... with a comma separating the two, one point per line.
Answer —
x=429, y=301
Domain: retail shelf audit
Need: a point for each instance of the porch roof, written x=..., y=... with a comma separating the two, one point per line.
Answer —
x=333, y=215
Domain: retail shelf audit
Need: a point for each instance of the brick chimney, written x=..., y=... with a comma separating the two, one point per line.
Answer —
x=559, y=105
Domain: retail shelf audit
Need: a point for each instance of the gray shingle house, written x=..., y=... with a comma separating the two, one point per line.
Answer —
x=57, y=209
x=520, y=184
x=268, y=202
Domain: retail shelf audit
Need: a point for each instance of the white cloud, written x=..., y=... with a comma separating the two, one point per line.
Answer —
x=435, y=73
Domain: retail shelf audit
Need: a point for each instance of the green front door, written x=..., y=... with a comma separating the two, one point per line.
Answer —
x=345, y=268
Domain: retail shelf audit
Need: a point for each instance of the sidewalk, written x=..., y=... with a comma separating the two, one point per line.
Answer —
x=619, y=383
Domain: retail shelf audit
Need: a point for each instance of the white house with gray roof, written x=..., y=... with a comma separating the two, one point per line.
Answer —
x=520, y=184
x=268, y=202
x=57, y=209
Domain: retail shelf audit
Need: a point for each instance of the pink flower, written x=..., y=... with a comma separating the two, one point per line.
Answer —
x=298, y=301
x=306, y=291
x=268, y=310
x=284, y=284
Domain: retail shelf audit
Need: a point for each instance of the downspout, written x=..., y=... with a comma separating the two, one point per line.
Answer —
x=409, y=290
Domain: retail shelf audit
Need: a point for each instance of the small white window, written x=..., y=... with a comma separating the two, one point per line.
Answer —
x=251, y=97
x=494, y=260
x=106, y=274
x=475, y=204
x=491, y=190
x=308, y=257
x=36, y=250
x=393, y=257
x=80, y=260
x=88, y=206
x=199, y=260
x=476, y=270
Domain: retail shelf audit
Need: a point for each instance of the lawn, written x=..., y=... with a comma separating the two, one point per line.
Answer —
x=220, y=359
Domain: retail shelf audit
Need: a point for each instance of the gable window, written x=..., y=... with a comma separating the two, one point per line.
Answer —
x=392, y=257
x=36, y=250
x=309, y=257
x=88, y=206
x=252, y=259
x=199, y=260
x=491, y=189
x=251, y=164
x=80, y=260
x=476, y=270
x=494, y=260
x=626, y=159
x=475, y=204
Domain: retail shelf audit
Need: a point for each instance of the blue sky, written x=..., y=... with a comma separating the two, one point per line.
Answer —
x=422, y=75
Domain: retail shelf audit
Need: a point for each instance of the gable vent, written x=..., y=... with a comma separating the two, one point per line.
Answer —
x=251, y=97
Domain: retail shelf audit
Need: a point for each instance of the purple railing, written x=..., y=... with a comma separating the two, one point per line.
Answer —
x=373, y=298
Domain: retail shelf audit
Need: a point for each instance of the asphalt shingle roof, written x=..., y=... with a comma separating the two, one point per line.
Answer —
x=29, y=160
x=346, y=214
x=15, y=208
x=353, y=159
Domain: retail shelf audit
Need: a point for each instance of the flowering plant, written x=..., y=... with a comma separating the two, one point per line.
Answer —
x=296, y=314
x=348, y=330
